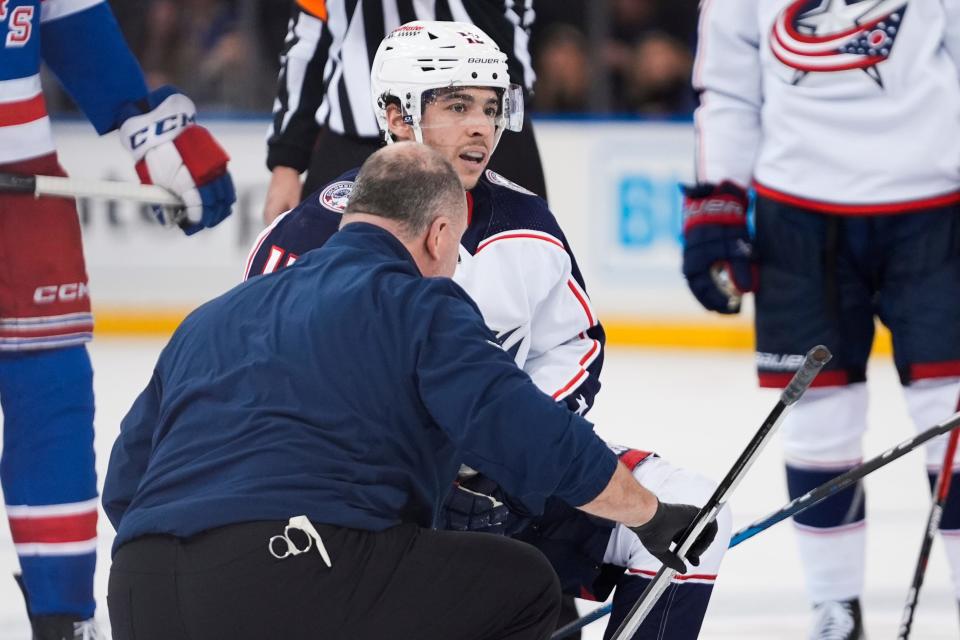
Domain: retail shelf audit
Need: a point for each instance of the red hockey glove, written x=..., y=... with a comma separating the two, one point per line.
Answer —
x=172, y=151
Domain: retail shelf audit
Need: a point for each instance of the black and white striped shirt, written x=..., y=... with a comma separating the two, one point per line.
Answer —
x=325, y=65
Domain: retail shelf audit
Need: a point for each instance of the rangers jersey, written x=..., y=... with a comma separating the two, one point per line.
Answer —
x=844, y=106
x=80, y=41
x=514, y=262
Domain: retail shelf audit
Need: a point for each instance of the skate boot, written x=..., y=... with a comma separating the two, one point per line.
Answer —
x=837, y=620
x=59, y=627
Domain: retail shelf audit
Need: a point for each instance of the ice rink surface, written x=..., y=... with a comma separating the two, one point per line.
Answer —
x=699, y=410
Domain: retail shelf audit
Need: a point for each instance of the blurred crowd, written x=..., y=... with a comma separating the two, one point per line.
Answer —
x=591, y=56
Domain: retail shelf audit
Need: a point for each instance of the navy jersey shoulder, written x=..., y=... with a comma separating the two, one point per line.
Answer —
x=499, y=206
x=307, y=226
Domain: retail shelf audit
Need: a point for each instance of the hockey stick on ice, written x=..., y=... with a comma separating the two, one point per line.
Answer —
x=812, y=364
x=76, y=188
x=933, y=523
x=804, y=502
x=841, y=482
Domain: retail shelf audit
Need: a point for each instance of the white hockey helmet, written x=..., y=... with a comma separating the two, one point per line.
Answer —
x=421, y=56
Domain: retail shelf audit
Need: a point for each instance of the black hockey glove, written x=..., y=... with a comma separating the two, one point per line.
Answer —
x=667, y=526
x=471, y=509
x=717, y=254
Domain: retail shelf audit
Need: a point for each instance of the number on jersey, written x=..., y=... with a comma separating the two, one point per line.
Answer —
x=276, y=257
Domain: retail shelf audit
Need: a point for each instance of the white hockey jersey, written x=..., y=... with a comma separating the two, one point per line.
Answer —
x=847, y=106
x=514, y=262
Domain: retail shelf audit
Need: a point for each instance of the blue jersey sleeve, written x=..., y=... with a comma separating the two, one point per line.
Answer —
x=501, y=423
x=91, y=59
x=131, y=451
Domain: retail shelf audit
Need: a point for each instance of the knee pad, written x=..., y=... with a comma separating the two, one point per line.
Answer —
x=824, y=431
x=671, y=484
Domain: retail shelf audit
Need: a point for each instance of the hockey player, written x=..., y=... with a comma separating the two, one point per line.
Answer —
x=446, y=85
x=47, y=470
x=844, y=116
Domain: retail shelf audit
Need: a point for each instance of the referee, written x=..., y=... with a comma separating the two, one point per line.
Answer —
x=323, y=122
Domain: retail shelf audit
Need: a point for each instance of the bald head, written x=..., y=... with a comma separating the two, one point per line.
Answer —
x=408, y=183
x=412, y=191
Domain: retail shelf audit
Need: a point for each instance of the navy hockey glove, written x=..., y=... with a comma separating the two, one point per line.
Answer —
x=666, y=526
x=717, y=254
x=172, y=151
x=472, y=509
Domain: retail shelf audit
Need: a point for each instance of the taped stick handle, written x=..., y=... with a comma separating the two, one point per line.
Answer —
x=813, y=362
x=13, y=183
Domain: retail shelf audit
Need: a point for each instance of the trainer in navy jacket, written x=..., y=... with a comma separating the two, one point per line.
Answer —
x=361, y=389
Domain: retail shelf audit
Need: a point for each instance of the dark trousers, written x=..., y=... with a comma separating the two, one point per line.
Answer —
x=402, y=583
x=516, y=158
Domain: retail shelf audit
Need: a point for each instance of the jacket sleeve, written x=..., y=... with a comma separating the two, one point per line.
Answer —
x=131, y=451
x=305, y=69
x=523, y=282
x=503, y=425
x=83, y=46
x=727, y=74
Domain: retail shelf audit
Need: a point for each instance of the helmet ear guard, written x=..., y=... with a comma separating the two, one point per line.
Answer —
x=422, y=56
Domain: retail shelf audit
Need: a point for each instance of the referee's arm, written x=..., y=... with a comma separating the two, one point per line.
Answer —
x=300, y=90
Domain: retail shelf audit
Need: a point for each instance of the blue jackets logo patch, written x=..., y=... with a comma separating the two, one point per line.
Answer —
x=335, y=196
x=836, y=35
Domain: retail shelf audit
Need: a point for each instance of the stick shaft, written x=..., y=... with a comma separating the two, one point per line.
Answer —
x=941, y=491
x=61, y=187
x=812, y=364
x=841, y=482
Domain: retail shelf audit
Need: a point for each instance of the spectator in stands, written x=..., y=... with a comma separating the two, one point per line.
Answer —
x=658, y=81
x=562, y=71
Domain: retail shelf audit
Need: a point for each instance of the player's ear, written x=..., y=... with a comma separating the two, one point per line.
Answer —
x=398, y=128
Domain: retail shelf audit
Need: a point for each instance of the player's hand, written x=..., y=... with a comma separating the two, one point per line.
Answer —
x=667, y=525
x=172, y=151
x=717, y=253
x=468, y=509
x=283, y=193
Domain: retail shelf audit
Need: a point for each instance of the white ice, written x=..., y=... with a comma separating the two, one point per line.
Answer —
x=699, y=410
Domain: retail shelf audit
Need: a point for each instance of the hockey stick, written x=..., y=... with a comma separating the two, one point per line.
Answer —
x=812, y=364
x=575, y=626
x=933, y=523
x=74, y=188
x=841, y=482
x=804, y=502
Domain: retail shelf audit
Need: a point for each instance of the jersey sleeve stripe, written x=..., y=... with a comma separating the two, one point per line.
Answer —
x=524, y=235
x=562, y=392
x=589, y=356
x=22, y=111
x=582, y=299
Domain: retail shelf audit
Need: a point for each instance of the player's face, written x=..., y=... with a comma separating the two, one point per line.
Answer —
x=460, y=124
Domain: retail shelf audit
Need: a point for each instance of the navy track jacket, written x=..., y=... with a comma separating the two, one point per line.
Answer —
x=348, y=388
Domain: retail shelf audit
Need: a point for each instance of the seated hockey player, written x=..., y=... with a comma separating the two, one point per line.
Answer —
x=446, y=85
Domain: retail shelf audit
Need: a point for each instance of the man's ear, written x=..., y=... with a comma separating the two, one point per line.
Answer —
x=436, y=236
x=398, y=128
